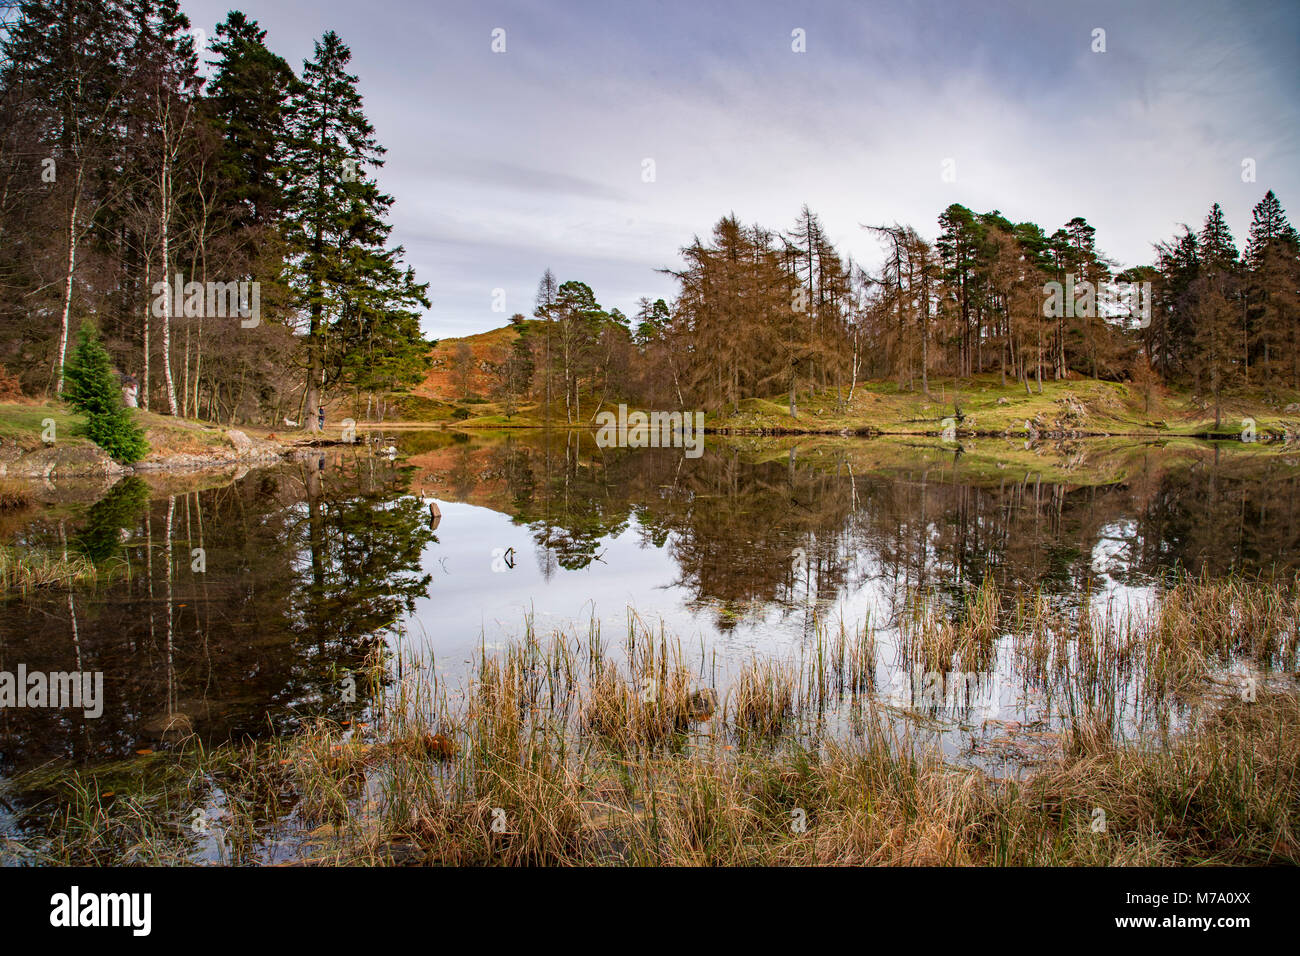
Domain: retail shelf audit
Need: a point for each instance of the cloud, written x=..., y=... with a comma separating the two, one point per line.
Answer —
x=505, y=164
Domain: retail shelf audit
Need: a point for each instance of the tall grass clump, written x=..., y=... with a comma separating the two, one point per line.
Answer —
x=22, y=571
x=571, y=750
x=15, y=496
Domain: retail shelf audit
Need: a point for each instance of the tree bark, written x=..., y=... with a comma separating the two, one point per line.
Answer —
x=167, y=303
x=67, y=288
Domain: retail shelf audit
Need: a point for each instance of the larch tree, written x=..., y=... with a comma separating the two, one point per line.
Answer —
x=544, y=309
x=1272, y=263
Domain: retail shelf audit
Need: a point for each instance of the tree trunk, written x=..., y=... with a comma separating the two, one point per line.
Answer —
x=67, y=288
x=144, y=381
x=164, y=224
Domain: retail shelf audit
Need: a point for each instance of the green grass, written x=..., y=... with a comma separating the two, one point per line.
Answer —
x=167, y=435
x=418, y=408
x=25, y=423
x=1081, y=407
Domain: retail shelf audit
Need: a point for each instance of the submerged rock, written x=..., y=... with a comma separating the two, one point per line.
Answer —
x=702, y=704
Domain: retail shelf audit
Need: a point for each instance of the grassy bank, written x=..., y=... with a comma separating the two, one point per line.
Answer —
x=563, y=752
x=957, y=409
x=979, y=406
x=54, y=437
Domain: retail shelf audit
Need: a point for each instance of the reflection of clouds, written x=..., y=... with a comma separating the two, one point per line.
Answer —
x=720, y=561
x=1113, y=540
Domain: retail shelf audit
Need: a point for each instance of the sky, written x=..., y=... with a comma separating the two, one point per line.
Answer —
x=608, y=134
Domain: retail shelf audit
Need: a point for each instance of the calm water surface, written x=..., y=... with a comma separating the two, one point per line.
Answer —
x=239, y=605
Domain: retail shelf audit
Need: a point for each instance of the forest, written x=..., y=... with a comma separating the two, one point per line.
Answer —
x=145, y=174
x=135, y=161
x=761, y=312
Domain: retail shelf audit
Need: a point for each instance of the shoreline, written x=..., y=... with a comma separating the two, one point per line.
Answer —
x=86, y=461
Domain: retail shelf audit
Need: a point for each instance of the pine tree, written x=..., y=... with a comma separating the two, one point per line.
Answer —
x=93, y=388
x=651, y=321
x=1178, y=264
x=1219, y=332
x=1218, y=250
x=1273, y=290
x=249, y=101
x=380, y=345
x=341, y=274
x=578, y=319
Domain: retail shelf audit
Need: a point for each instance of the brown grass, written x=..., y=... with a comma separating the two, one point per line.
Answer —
x=562, y=752
x=15, y=496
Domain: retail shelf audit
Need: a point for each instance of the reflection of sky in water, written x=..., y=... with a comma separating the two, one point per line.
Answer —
x=469, y=604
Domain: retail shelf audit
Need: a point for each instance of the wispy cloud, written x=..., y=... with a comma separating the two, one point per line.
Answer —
x=505, y=164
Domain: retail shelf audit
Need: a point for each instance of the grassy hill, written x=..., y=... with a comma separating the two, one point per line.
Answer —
x=173, y=442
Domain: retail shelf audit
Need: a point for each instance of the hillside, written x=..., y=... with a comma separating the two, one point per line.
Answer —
x=175, y=444
x=443, y=381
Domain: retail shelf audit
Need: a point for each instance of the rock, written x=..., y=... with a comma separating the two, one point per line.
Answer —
x=436, y=746
x=58, y=461
x=241, y=441
x=1004, y=400
x=701, y=704
x=1293, y=407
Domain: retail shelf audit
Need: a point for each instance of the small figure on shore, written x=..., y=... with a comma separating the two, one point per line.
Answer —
x=320, y=417
x=130, y=391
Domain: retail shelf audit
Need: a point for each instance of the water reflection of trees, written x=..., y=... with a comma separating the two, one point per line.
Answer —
x=306, y=566
x=733, y=524
x=227, y=608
